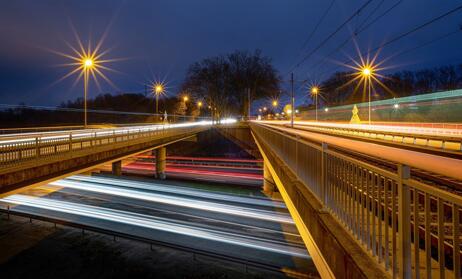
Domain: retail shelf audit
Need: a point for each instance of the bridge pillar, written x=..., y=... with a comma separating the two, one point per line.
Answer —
x=268, y=182
x=117, y=167
x=161, y=161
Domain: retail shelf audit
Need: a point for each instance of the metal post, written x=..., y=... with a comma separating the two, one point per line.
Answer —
x=157, y=107
x=316, y=97
x=248, y=100
x=404, y=223
x=85, y=89
x=369, y=89
x=323, y=175
x=292, y=100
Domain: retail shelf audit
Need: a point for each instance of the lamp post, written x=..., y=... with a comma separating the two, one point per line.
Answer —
x=314, y=92
x=87, y=65
x=366, y=72
x=158, y=89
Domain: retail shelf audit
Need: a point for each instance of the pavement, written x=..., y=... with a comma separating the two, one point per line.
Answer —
x=252, y=228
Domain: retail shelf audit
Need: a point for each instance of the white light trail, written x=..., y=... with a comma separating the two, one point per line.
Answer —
x=178, y=201
x=175, y=190
x=146, y=221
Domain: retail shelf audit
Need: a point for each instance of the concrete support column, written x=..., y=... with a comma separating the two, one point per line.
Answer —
x=117, y=168
x=268, y=182
x=161, y=161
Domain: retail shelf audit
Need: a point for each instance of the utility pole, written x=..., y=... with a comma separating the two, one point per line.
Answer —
x=248, y=101
x=293, y=101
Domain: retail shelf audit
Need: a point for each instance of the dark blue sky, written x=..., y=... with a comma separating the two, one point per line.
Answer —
x=161, y=38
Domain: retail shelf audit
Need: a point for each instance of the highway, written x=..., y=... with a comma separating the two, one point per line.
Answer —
x=253, y=228
x=218, y=170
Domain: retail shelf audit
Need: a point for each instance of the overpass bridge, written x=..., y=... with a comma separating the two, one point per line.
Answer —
x=28, y=159
x=365, y=204
x=363, y=208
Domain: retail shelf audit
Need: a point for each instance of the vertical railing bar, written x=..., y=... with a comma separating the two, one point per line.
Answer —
x=404, y=226
x=416, y=235
x=428, y=244
x=393, y=236
x=387, y=222
x=368, y=220
x=374, y=233
x=379, y=217
x=441, y=258
x=456, y=240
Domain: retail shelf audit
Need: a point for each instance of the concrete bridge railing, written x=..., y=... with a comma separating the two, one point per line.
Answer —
x=380, y=217
x=56, y=152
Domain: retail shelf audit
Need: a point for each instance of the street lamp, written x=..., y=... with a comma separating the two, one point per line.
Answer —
x=314, y=92
x=185, y=99
x=199, y=104
x=275, y=103
x=367, y=73
x=87, y=64
x=158, y=89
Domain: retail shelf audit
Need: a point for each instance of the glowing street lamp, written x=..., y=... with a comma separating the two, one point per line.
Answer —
x=315, y=92
x=87, y=65
x=199, y=104
x=87, y=62
x=158, y=89
x=265, y=108
x=367, y=73
x=275, y=103
x=185, y=99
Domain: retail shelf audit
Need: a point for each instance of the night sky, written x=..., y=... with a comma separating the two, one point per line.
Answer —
x=160, y=39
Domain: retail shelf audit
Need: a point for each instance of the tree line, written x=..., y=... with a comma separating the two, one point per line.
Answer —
x=337, y=91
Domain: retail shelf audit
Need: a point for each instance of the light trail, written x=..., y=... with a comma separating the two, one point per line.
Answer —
x=377, y=128
x=178, y=201
x=78, y=134
x=176, y=190
x=173, y=169
x=150, y=222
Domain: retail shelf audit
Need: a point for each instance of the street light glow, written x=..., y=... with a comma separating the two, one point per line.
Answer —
x=199, y=104
x=366, y=71
x=158, y=88
x=185, y=98
x=88, y=63
x=314, y=90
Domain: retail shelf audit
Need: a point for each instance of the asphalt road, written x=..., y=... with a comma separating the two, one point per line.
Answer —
x=257, y=229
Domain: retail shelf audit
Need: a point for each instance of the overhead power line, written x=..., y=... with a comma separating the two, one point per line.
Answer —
x=318, y=24
x=331, y=35
x=407, y=33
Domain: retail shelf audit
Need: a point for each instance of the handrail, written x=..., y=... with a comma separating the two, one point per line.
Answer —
x=432, y=163
x=399, y=220
x=41, y=147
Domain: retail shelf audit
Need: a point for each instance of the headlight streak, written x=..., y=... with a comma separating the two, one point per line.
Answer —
x=56, y=135
x=175, y=190
x=149, y=222
x=177, y=201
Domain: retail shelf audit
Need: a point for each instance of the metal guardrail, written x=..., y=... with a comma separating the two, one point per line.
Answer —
x=64, y=145
x=440, y=140
x=195, y=252
x=410, y=228
x=443, y=141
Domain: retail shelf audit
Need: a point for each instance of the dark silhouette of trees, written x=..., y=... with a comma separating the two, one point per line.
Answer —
x=226, y=81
